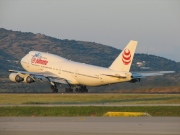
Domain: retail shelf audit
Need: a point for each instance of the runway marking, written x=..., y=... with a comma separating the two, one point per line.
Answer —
x=126, y=114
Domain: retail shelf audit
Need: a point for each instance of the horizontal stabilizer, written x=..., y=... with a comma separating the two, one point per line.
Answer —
x=152, y=73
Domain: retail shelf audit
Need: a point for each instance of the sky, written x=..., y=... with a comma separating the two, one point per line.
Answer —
x=155, y=24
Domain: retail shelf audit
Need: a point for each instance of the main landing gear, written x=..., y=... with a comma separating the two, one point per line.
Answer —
x=54, y=88
x=68, y=90
x=80, y=89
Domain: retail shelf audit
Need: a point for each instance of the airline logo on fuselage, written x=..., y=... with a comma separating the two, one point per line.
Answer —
x=126, y=57
x=38, y=59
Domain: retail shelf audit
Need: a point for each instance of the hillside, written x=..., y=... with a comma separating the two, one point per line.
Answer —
x=15, y=44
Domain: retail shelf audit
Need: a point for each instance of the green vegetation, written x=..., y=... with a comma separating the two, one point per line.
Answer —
x=80, y=99
x=87, y=111
x=17, y=99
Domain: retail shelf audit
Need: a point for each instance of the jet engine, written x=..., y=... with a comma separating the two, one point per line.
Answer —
x=28, y=79
x=15, y=77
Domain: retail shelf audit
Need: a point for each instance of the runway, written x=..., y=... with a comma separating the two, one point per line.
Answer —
x=89, y=125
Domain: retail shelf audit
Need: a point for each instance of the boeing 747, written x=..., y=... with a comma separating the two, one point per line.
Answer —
x=58, y=70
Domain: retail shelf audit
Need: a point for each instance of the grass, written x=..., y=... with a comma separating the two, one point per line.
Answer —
x=16, y=99
x=122, y=99
x=87, y=110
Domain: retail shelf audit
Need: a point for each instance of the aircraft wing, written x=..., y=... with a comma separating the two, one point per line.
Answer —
x=43, y=75
x=152, y=73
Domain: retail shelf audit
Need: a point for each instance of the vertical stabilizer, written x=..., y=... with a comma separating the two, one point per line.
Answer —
x=124, y=60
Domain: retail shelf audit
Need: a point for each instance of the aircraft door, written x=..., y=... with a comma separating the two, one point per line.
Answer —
x=27, y=64
x=101, y=78
x=59, y=71
x=41, y=68
x=75, y=73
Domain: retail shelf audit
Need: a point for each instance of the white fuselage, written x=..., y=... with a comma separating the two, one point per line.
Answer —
x=76, y=73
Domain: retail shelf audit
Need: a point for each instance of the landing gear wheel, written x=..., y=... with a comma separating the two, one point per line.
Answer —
x=69, y=90
x=82, y=89
x=54, y=89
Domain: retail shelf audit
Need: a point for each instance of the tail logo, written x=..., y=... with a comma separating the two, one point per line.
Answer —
x=126, y=57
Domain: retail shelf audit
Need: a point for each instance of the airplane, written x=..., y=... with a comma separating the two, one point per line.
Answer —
x=59, y=70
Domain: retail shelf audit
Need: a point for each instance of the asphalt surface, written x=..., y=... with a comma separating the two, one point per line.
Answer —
x=89, y=125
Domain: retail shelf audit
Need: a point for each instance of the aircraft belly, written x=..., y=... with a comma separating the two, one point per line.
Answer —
x=88, y=81
x=100, y=80
x=112, y=80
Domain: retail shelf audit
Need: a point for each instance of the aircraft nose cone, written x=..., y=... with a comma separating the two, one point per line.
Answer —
x=23, y=61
